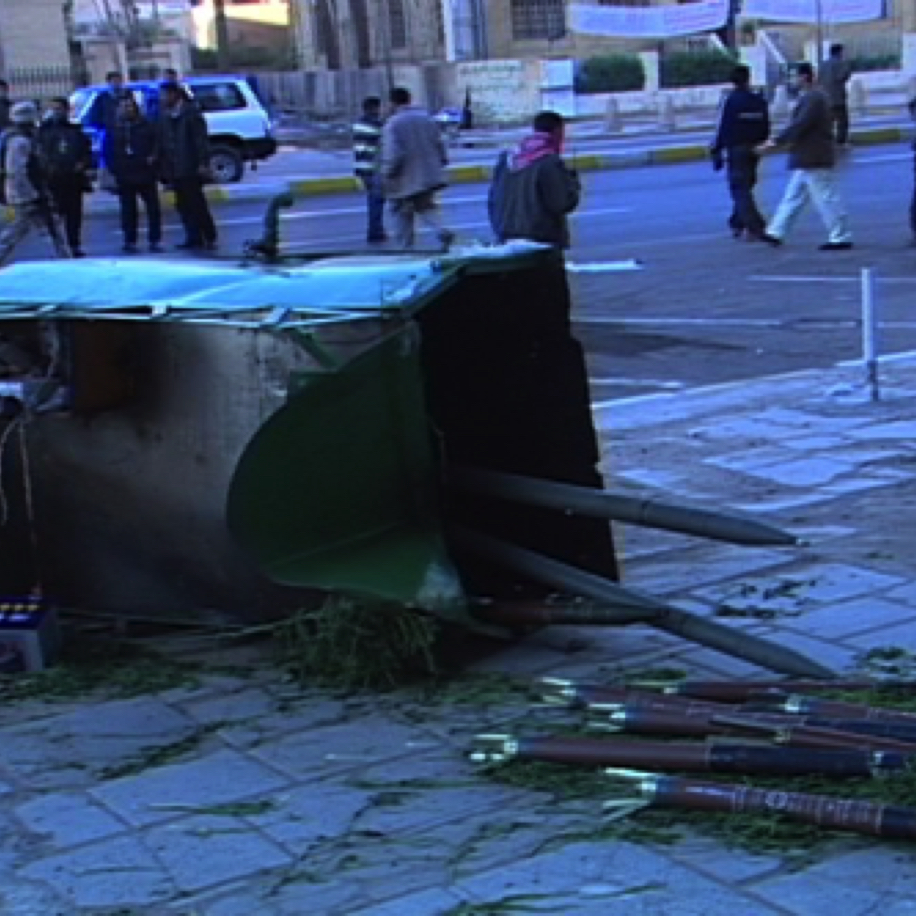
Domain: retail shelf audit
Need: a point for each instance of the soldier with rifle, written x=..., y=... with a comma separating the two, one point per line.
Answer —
x=23, y=185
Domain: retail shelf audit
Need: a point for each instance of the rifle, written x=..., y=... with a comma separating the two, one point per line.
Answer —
x=890, y=821
x=714, y=757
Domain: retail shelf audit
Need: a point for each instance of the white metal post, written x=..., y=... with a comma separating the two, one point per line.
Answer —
x=869, y=333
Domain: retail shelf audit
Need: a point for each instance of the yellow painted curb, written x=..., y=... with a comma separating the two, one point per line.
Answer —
x=311, y=186
x=216, y=195
x=589, y=163
x=463, y=174
x=678, y=154
x=877, y=136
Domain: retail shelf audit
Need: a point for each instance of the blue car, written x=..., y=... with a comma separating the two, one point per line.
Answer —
x=238, y=123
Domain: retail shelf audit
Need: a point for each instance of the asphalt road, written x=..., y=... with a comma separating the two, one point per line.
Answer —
x=583, y=140
x=704, y=309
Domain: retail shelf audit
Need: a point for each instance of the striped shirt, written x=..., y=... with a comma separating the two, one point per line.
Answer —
x=367, y=138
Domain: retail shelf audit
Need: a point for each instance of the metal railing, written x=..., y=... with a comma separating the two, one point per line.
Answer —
x=39, y=82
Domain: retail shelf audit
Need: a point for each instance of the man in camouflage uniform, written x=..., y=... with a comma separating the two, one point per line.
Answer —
x=24, y=186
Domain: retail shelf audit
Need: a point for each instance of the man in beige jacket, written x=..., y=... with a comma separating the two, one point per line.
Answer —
x=413, y=164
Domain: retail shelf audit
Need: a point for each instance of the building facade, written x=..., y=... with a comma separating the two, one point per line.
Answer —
x=33, y=36
x=345, y=34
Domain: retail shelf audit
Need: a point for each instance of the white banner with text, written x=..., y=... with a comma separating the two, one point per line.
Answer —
x=649, y=22
x=832, y=11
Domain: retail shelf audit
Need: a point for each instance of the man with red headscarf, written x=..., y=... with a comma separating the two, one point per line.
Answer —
x=533, y=191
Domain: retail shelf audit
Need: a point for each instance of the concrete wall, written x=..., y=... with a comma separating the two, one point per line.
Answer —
x=694, y=98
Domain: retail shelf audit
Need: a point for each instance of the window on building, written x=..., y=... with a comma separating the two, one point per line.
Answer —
x=538, y=19
x=397, y=24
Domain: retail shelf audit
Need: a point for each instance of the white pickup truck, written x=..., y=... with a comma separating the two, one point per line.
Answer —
x=238, y=124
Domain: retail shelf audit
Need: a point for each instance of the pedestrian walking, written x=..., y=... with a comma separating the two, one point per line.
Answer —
x=23, y=185
x=6, y=104
x=66, y=157
x=184, y=158
x=533, y=191
x=367, y=138
x=744, y=123
x=413, y=161
x=835, y=74
x=131, y=152
x=812, y=159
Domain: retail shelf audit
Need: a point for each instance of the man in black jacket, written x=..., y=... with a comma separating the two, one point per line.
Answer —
x=66, y=155
x=533, y=191
x=812, y=159
x=184, y=156
x=744, y=123
x=130, y=151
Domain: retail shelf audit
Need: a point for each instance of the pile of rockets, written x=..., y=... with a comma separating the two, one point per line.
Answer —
x=775, y=728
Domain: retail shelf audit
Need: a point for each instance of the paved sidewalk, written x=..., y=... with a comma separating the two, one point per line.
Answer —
x=244, y=795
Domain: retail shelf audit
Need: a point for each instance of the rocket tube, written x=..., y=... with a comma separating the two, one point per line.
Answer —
x=889, y=821
x=797, y=704
x=790, y=731
x=668, y=756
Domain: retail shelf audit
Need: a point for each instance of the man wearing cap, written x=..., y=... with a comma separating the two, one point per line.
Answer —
x=24, y=185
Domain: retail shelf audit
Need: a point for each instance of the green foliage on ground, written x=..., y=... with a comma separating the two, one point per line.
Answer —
x=696, y=68
x=116, y=667
x=358, y=645
x=611, y=73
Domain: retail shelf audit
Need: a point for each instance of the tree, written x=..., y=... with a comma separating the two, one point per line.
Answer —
x=222, y=34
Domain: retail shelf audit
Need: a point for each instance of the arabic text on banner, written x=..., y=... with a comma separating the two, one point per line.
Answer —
x=649, y=22
x=806, y=10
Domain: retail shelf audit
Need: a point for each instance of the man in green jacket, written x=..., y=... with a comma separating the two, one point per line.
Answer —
x=812, y=159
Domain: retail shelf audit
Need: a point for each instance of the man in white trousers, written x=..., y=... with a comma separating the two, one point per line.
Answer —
x=812, y=159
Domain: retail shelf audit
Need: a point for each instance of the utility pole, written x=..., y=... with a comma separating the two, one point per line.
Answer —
x=222, y=34
x=819, y=32
x=385, y=11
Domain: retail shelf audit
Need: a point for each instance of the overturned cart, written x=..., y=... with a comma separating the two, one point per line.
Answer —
x=414, y=429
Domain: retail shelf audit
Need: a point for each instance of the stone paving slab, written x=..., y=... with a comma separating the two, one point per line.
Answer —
x=244, y=795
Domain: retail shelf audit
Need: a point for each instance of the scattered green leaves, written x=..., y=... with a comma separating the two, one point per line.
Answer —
x=889, y=661
x=118, y=668
x=160, y=755
x=234, y=809
x=518, y=903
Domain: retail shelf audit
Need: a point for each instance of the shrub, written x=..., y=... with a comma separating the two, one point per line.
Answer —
x=876, y=62
x=611, y=73
x=696, y=68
